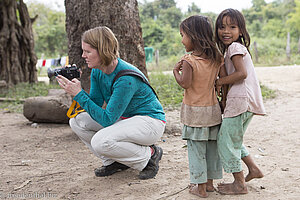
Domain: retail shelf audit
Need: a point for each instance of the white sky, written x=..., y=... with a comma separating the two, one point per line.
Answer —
x=215, y=6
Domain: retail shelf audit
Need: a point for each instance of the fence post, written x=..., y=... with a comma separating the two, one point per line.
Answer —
x=255, y=52
x=157, y=57
x=299, y=45
x=288, y=48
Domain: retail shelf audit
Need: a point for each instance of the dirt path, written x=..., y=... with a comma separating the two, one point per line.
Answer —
x=47, y=161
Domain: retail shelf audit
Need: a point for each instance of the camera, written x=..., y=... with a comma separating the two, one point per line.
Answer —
x=69, y=72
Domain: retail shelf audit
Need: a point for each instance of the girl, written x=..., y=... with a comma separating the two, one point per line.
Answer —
x=244, y=99
x=200, y=111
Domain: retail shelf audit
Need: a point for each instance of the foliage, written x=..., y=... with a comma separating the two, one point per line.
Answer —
x=23, y=91
x=267, y=93
x=49, y=31
x=294, y=19
x=169, y=92
x=267, y=23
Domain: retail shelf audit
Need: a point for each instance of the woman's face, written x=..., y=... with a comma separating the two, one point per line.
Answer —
x=90, y=55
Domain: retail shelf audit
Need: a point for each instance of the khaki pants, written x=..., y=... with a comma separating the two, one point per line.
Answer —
x=127, y=141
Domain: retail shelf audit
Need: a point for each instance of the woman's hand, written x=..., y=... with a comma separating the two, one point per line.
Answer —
x=71, y=87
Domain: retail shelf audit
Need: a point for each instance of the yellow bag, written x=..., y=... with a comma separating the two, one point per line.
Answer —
x=74, y=109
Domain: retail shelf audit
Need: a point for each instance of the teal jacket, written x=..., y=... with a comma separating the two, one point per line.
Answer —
x=128, y=97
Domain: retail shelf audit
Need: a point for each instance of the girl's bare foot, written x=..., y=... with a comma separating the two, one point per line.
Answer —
x=232, y=188
x=199, y=190
x=254, y=173
x=210, y=186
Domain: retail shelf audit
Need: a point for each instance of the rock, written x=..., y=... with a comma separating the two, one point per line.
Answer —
x=173, y=128
x=49, y=109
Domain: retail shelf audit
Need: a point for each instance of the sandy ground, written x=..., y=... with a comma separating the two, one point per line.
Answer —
x=48, y=161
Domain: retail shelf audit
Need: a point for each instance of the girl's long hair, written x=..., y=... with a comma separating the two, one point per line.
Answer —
x=237, y=18
x=199, y=30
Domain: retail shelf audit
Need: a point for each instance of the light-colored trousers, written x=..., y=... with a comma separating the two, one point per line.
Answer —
x=126, y=141
x=204, y=161
x=230, y=141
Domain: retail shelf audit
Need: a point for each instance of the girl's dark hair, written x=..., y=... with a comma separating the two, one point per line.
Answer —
x=199, y=30
x=236, y=17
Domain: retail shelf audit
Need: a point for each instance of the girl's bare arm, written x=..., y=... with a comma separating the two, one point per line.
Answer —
x=239, y=74
x=183, y=74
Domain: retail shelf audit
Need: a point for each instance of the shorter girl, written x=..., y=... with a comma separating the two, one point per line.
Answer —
x=244, y=99
x=200, y=111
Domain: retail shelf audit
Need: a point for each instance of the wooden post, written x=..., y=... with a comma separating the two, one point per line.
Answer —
x=255, y=52
x=299, y=45
x=157, y=57
x=288, y=48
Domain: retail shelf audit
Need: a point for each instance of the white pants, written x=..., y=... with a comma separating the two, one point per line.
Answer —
x=127, y=141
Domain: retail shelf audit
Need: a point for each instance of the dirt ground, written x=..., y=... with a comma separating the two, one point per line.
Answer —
x=48, y=161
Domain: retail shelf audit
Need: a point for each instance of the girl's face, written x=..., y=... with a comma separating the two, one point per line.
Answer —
x=229, y=32
x=186, y=41
x=90, y=55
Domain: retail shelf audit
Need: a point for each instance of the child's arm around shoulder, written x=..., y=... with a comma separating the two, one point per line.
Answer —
x=183, y=74
x=239, y=74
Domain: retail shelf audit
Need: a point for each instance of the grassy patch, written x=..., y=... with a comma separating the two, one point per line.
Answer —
x=267, y=93
x=23, y=91
x=169, y=92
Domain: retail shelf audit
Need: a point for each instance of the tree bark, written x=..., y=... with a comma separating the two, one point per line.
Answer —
x=121, y=16
x=17, y=56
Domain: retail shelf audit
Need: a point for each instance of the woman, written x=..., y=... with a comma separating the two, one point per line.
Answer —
x=122, y=134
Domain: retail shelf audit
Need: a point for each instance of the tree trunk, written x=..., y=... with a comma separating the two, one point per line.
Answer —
x=17, y=56
x=121, y=16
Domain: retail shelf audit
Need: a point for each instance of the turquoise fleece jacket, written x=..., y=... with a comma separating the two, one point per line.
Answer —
x=128, y=97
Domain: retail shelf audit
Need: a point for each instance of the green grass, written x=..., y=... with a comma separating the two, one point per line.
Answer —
x=267, y=93
x=169, y=92
x=22, y=91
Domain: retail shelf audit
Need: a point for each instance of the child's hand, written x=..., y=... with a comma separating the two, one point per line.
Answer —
x=218, y=89
x=178, y=66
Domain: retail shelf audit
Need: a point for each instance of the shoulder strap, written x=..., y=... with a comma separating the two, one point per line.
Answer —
x=130, y=72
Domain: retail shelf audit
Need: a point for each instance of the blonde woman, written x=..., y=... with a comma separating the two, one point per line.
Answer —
x=124, y=133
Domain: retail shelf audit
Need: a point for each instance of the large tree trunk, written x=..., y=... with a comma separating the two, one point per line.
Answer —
x=121, y=16
x=17, y=56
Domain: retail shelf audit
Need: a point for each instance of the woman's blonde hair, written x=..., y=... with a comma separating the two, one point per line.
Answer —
x=104, y=40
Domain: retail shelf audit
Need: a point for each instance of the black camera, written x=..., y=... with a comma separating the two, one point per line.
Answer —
x=69, y=72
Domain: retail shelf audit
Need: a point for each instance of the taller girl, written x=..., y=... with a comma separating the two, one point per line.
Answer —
x=244, y=99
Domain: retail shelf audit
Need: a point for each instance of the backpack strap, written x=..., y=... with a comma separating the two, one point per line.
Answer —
x=130, y=72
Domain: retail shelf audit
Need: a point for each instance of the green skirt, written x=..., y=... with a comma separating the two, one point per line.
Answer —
x=200, y=133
